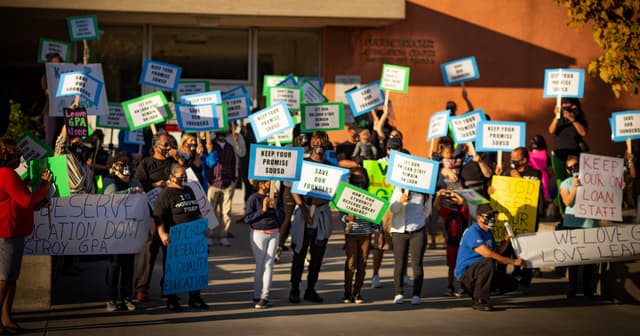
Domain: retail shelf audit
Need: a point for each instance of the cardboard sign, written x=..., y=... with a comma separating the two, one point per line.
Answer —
x=289, y=81
x=568, y=83
x=322, y=117
x=473, y=199
x=503, y=136
x=625, y=125
x=516, y=199
x=189, y=87
x=319, y=180
x=187, y=267
x=438, y=125
x=270, y=81
x=237, y=91
x=282, y=138
x=134, y=137
x=394, y=78
x=599, y=195
x=318, y=82
x=365, y=99
x=149, y=109
x=115, y=118
x=290, y=96
x=460, y=70
x=275, y=163
x=31, y=148
x=360, y=203
x=78, y=83
x=56, y=104
x=161, y=75
x=238, y=107
x=271, y=121
x=580, y=246
x=412, y=172
x=311, y=94
x=83, y=28
x=49, y=46
x=203, y=201
x=377, y=171
x=88, y=224
x=205, y=98
x=465, y=126
x=195, y=118
x=76, y=122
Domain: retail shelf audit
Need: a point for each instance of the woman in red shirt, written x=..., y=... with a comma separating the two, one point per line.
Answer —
x=17, y=204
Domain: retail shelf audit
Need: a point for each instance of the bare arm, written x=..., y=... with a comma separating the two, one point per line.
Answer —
x=568, y=196
x=484, y=251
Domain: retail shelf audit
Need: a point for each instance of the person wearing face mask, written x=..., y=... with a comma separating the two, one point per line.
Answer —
x=221, y=177
x=190, y=154
x=478, y=256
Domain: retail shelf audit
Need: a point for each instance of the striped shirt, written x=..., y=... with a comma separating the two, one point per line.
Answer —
x=358, y=226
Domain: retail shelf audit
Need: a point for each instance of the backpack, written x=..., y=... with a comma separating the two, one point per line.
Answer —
x=455, y=224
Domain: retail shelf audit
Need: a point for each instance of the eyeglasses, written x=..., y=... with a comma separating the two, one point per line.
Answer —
x=573, y=166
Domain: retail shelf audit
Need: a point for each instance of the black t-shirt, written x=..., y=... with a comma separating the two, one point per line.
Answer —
x=345, y=148
x=152, y=170
x=529, y=173
x=566, y=137
x=472, y=178
x=176, y=206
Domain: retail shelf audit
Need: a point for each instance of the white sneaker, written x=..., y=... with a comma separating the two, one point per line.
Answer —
x=415, y=300
x=407, y=281
x=398, y=299
x=112, y=306
x=225, y=242
x=375, y=282
x=129, y=305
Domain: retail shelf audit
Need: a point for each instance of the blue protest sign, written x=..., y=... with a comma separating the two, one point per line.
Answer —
x=275, y=163
x=79, y=83
x=270, y=121
x=238, y=107
x=503, y=136
x=236, y=92
x=438, y=125
x=319, y=180
x=196, y=118
x=134, y=137
x=365, y=99
x=187, y=267
x=464, y=127
x=204, y=98
x=318, y=82
x=412, y=172
x=161, y=75
x=625, y=125
x=289, y=81
x=568, y=83
x=460, y=70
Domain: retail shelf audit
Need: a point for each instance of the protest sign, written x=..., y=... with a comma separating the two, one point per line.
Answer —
x=203, y=202
x=83, y=28
x=114, y=119
x=237, y=91
x=134, y=137
x=516, y=200
x=275, y=163
x=289, y=81
x=365, y=99
x=186, y=268
x=568, y=83
x=57, y=165
x=322, y=117
x=394, y=78
x=465, y=126
x=270, y=81
x=161, y=75
x=412, y=172
x=503, y=136
x=473, y=199
x=56, y=104
x=149, y=109
x=84, y=224
x=282, y=138
x=290, y=96
x=625, y=125
x=271, y=121
x=189, y=87
x=459, y=71
x=78, y=83
x=580, y=246
x=318, y=82
x=360, y=203
x=204, y=98
x=31, y=148
x=152, y=196
x=238, y=107
x=319, y=180
x=75, y=121
x=377, y=171
x=195, y=118
x=344, y=83
x=599, y=195
x=48, y=46
x=311, y=94
x=438, y=125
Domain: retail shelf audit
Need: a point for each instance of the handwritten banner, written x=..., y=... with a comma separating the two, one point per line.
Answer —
x=580, y=246
x=394, y=78
x=503, y=136
x=599, y=195
x=275, y=163
x=85, y=224
x=56, y=104
x=83, y=28
x=461, y=70
x=161, y=75
x=412, y=172
x=516, y=200
x=271, y=121
x=149, y=109
x=78, y=83
x=563, y=83
x=205, y=98
x=49, y=46
x=438, y=125
x=292, y=97
x=186, y=268
x=238, y=107
x=76, y=122
x=465, y=126
x=189, y=87
x=625, y=125
x=365, y=99
x=322, y=117
x=319, y=180
x=114, y=119
x=195, y=118
x=360, y=203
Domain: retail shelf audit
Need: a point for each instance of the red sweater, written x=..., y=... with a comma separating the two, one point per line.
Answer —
x=16, y=205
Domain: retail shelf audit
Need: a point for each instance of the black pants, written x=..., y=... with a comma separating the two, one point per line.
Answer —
x=289, y=206
x=587, y=279
x=416, y=242
x=146, y=261
x=526, y=274
x=477, y=279
x=120, y=274
x=316, y=248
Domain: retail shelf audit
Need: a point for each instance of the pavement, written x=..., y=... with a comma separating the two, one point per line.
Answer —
x=79, y=303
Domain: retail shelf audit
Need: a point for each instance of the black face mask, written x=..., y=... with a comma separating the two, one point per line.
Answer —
x=193, y=147
x=514, y=164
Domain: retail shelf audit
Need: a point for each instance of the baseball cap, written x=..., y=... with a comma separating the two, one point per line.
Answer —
x=485, y=209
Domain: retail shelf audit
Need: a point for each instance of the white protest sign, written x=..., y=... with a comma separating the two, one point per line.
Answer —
x=83, y=28
x=48, y=46
x=599, y=195
x=282, y=138
x=115, y=118
x=57, y=104
x=461, y=70
x=343, y=84
x=465, y=126
x=189, y=87
x=563, y=83
x=319, y=180
x=78, y=83
x=438, y=125
x=290, y=96
x=134, y=137
x=360, y=202
x=238, y=107
x=270, y=81
x=311, y=94
x=203, y=202
x=84, y=224
x=625, y=125
x=412, y=172
x=503, y=136
x=365, y=99
x=271, y=121
x=31, y=148
x=322, y=117
x=195, y=118
x=275, y=163
x=579, y=246
x=146, y=110
x=394, y=78
x=161, y=75
x=204, y=98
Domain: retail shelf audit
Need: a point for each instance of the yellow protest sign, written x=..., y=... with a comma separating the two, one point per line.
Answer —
x=516, y=200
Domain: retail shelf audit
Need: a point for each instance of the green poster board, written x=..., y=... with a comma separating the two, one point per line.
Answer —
x=360, y=203
x=58, y=167
x=377, y=171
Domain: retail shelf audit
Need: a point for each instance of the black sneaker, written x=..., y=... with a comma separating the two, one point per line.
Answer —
x=311, y=295
x=482, y=305
x=198, y=303
x=294, y=296
x=276, y=259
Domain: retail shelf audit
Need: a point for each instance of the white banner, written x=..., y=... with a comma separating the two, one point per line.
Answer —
x=599, y=195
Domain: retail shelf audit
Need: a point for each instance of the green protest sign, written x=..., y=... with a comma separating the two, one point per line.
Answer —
x=322, y=117
x=58, y=167
x=31, y=148
x=147, y=110
x=49, y=46
x=394, y=78
x=377, y=171
x=270, y=81
x=83, y=28
x=360, y=203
